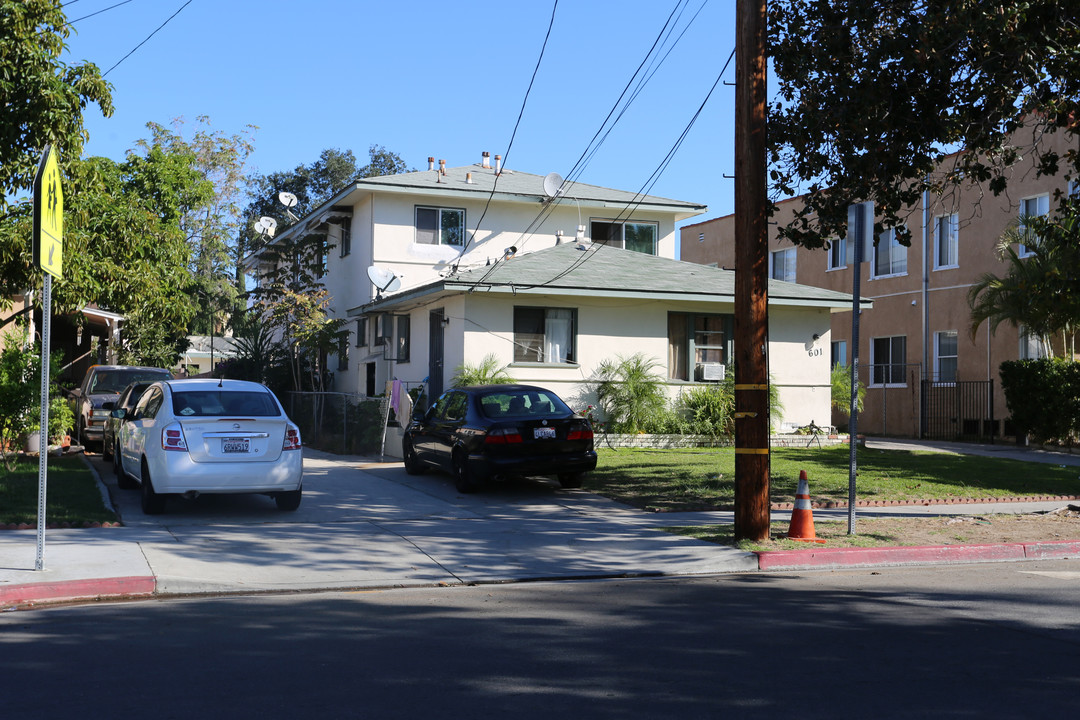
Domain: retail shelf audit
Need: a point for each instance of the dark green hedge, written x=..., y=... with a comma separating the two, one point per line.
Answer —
x=1043, y=397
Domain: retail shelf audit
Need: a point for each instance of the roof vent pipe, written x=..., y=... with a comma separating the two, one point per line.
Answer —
x=431, y=163
x=498, y=164
x=442, y=167
x=468, y=178
x=487, y=160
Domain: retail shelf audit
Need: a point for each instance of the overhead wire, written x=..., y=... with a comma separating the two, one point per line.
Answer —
x=521, y=113
x=84, y=17
x=147, y=39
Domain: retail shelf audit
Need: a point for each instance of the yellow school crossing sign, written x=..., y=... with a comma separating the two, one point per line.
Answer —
x=49, y=215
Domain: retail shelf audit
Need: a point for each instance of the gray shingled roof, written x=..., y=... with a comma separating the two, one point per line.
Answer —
x=513, y=183
x=602, y=271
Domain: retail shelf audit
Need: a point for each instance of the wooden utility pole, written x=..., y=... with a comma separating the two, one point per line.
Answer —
x=751, y=277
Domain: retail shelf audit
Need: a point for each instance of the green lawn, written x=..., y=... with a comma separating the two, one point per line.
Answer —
x=72, y=494
x=704, y=478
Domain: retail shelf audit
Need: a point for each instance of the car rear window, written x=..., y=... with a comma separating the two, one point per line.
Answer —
x=113, y=381
x=522, y=404
x=193, y=403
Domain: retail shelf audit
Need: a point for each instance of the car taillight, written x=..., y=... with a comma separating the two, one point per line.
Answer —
x=172, y=438
x=502, y=436
x=292, y=439
x=580, y=432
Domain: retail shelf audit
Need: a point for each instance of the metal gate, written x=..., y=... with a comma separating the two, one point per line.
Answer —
x=959, y=411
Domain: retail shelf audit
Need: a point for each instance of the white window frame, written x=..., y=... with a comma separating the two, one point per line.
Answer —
x=787, y=272
x=838, y=353
x=947, y=241
x=890, y=363
x=440, y=232
x=620, y=241
x=887, y=242
x=559, y=323
x=1032, y=347
x=939, y=356
x=837, y=255
x=1032, y=206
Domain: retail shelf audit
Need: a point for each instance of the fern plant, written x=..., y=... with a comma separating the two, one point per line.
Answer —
x=489, y=372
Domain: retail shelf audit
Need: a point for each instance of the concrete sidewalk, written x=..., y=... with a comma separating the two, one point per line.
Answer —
x=368, y=525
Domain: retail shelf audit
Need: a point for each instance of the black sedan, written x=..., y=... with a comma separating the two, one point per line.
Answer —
x=126, y=401
x=494, y=431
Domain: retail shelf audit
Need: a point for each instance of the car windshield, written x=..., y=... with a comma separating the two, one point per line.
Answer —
x=113, y=381
x=192, y=403
x=522, y=403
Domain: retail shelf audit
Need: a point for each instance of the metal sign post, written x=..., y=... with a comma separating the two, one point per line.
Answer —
x=48, y=245
x=860, y=228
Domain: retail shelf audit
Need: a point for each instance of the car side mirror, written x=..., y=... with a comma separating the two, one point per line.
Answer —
x=119, y=413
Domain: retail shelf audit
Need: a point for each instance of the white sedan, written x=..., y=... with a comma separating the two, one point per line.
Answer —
x=188, y=437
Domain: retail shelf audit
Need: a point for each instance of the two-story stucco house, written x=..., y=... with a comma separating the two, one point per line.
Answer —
x=551, y=278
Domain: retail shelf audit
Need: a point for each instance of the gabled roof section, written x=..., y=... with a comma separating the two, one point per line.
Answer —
x=516, y=185
x=596, y=270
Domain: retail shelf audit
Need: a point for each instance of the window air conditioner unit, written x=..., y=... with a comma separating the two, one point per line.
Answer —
x=711, y=372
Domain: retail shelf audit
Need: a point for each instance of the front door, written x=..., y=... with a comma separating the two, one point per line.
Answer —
x=435, y=354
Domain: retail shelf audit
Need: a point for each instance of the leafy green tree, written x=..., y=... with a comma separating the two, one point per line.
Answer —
x=488, y=371
x=840, y=379
x=874, y=95
x=20, y=406
x=43, y=98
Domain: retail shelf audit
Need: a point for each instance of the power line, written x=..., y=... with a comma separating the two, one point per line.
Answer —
x=84, y=17
x=513, y=135
x=147, y=38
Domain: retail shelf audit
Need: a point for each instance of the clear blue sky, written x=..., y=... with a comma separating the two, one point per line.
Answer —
x=425, y=78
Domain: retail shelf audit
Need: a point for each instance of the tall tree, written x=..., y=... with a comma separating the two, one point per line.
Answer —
x=874, y=95
x=213, y=227
x=43, y=98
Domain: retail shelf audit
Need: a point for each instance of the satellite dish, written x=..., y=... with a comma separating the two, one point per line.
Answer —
x=383, y=279
x=267, y=226
x=287, y=199
x=553, y=183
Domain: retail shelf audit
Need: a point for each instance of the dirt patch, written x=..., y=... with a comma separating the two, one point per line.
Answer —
x=1063, y=524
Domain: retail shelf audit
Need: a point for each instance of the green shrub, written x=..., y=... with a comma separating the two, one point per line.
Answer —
x=1043, y=397
x=631, y=394
x=489, y=372
x=708, y=409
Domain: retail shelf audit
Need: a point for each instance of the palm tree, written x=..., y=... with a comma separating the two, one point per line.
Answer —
x=1038, y=290
x=489, y=372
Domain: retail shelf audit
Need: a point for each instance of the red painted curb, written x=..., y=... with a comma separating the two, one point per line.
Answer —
x=67, y=590
x=915, y=555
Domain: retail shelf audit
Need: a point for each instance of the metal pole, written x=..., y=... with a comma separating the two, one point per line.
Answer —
x=751, y=277
x=43, y=434
x=853, y=412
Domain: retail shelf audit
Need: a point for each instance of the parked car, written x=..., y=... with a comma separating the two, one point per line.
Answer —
x=194, y=436
x=102, y=384
x=125, y=401
x=494, y=431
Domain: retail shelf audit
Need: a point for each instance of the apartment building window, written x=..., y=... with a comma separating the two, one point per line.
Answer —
x=888, y=356
x=706, y=340
x=946, y=241
x=1032, y=207
x=440, y=226
x=346, y=237
x=890, y=257
x=1032, y=346
x=783, y=265
x=837, y=253
x=838, y=354
x=544, y=335
x=401, y=341
x=945, y=356
x=636, y=236
x=361, y=332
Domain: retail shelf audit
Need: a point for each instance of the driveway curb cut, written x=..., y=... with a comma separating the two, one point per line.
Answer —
x=829, y=558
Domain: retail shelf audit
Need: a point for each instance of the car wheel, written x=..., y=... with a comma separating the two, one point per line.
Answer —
x=123, y=480
x=463, y=479
x=570, y=480
x=152, y=502
x=289, y=501
x=413, y=464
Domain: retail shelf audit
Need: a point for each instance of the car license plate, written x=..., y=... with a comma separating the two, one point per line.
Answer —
x=234, y=445
x=543, y=433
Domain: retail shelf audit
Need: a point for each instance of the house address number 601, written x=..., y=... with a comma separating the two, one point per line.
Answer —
x=814, y=352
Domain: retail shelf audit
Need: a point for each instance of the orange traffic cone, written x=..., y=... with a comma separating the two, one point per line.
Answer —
x=802, y=517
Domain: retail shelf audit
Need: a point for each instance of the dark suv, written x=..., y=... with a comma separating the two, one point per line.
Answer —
x=103, y=384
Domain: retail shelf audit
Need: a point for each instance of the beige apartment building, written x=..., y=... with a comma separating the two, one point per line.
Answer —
x=925, y=373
